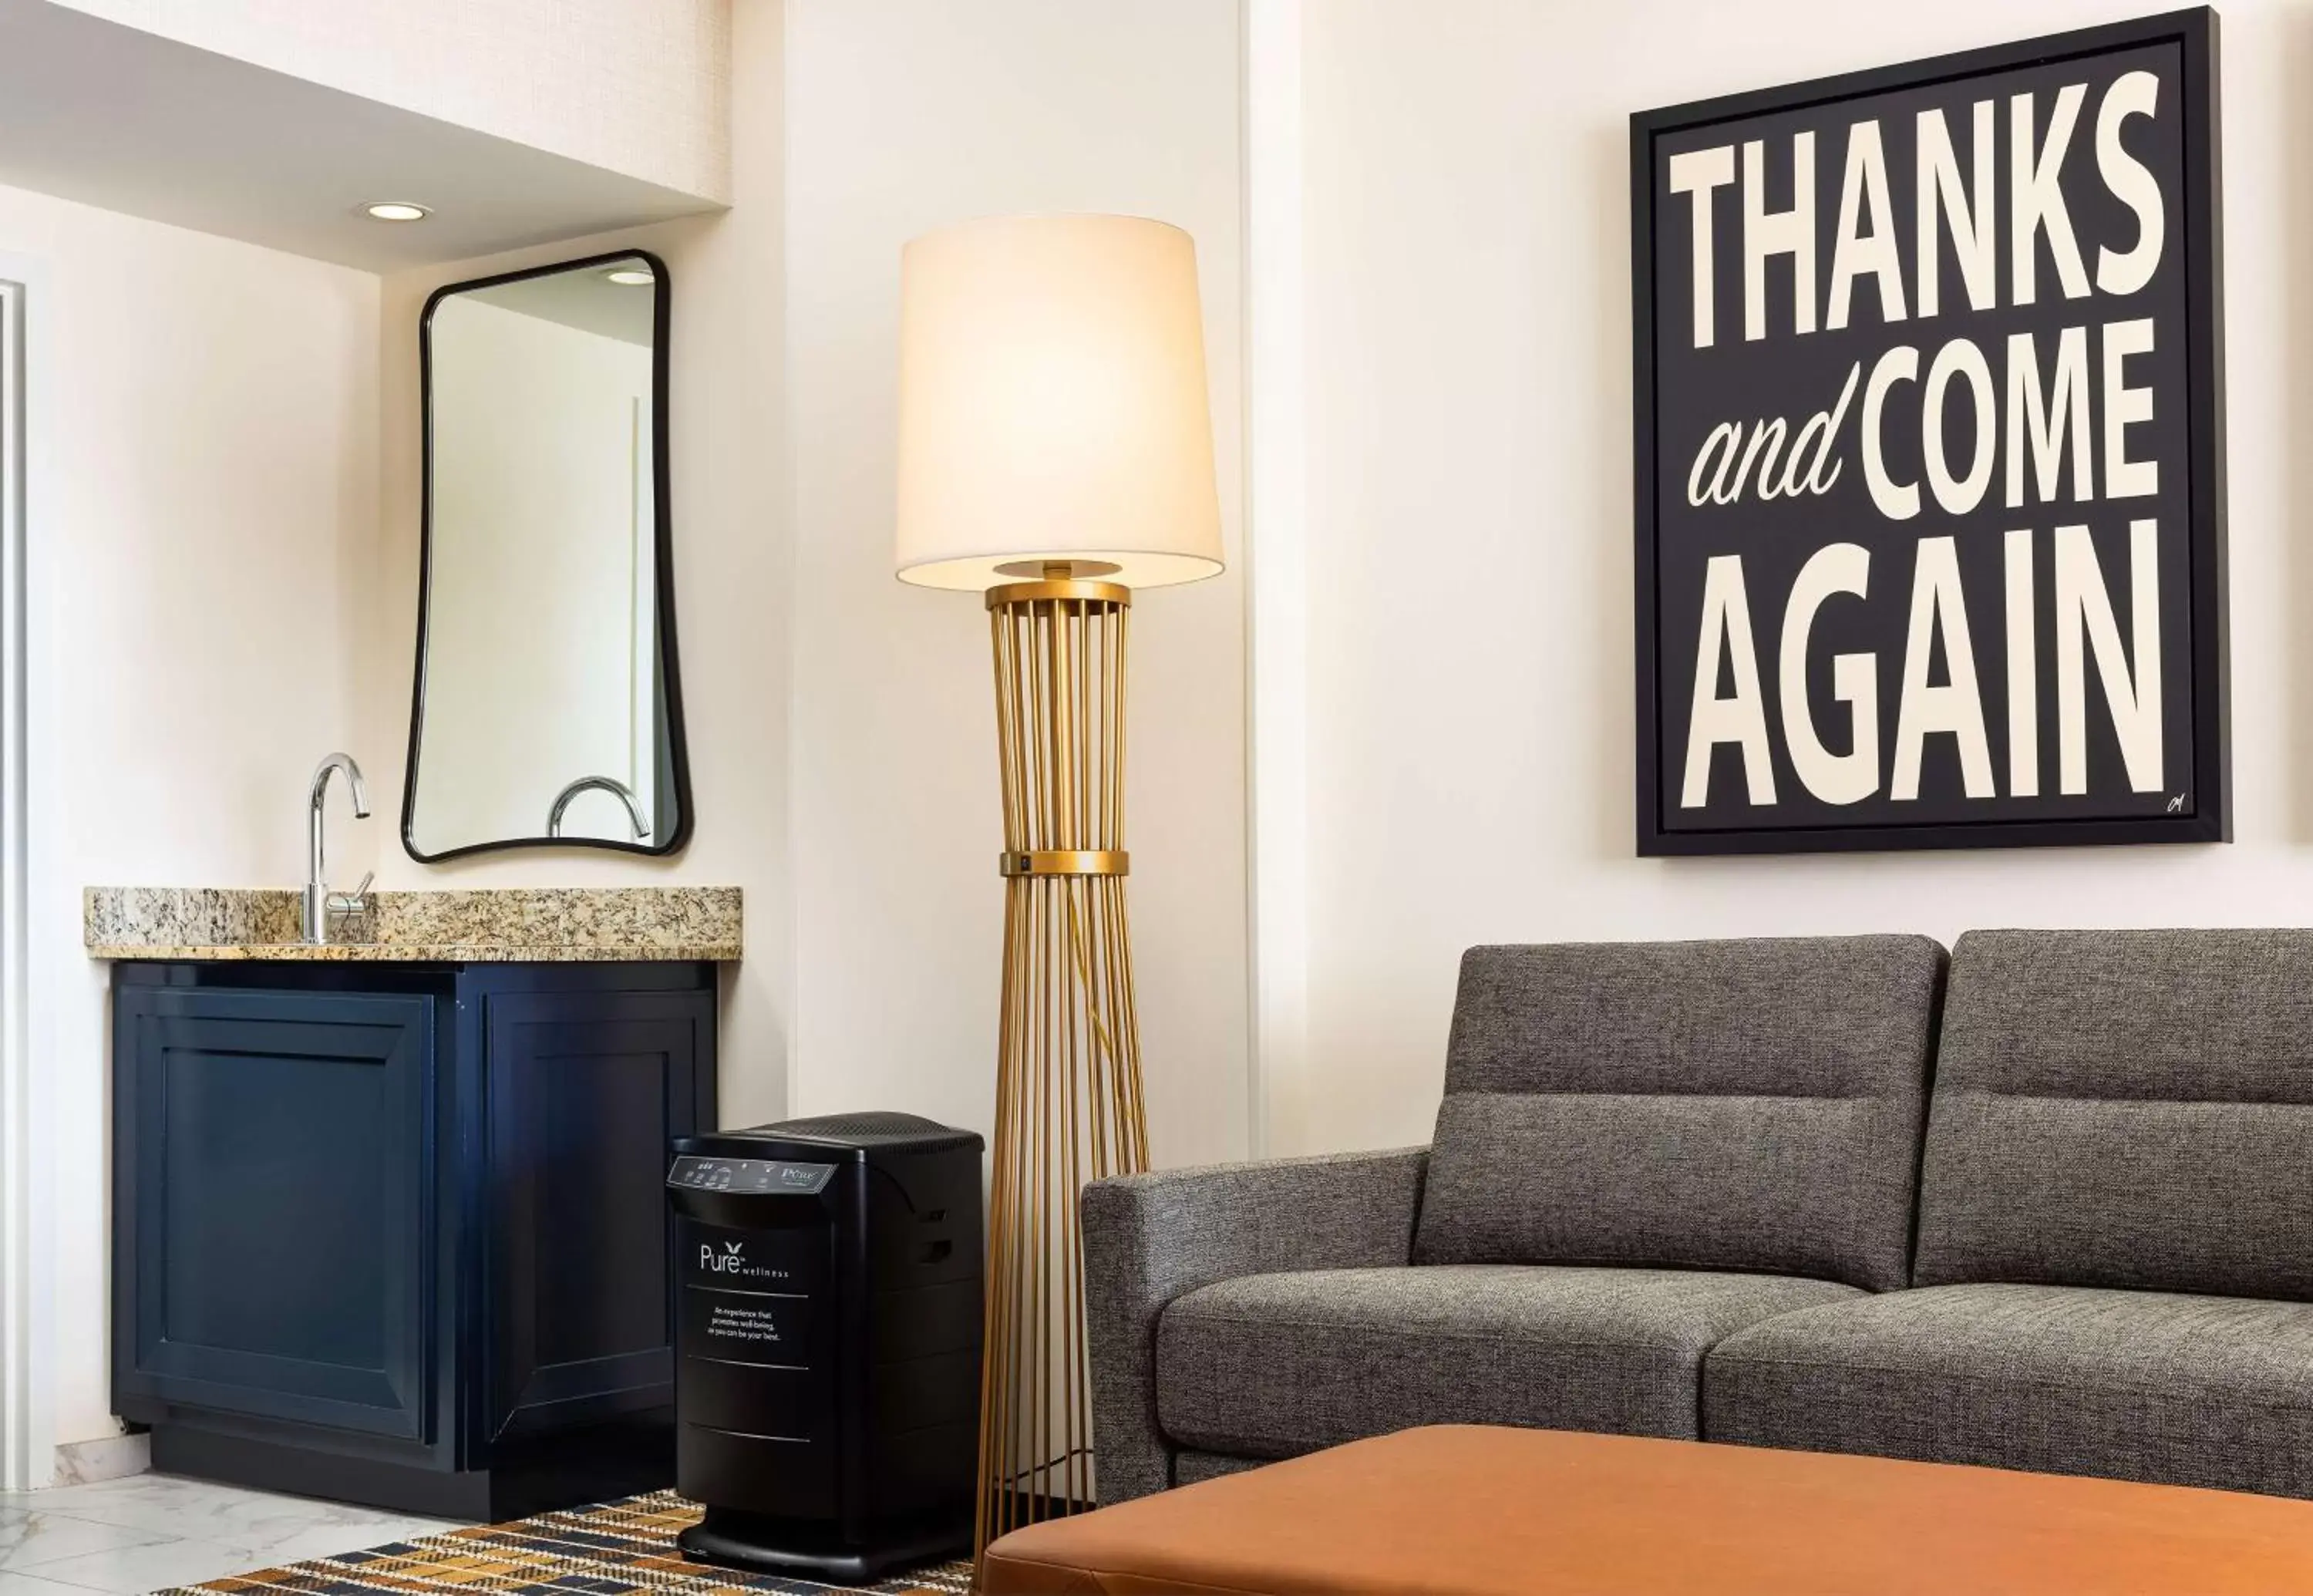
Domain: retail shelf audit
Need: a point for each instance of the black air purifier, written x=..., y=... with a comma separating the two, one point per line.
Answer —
x=827, y=1393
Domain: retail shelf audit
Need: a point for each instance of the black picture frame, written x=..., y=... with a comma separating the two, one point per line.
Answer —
x=663, y=544
x=2195, y=33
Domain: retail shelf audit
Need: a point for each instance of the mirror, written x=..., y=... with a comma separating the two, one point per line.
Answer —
x=547, y=709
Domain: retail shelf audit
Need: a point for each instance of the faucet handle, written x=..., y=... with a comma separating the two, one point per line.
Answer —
x=357, y=900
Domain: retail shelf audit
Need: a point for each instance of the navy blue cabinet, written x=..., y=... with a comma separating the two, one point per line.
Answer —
x=396, y=1233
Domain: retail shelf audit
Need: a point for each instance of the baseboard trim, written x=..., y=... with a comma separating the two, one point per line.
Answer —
x=619, y=1458
x=108, y=1457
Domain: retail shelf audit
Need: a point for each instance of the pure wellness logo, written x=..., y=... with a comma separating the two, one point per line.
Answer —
x=730, y=1259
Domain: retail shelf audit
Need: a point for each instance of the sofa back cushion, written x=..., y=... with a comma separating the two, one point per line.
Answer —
x=2124, y=1109
x=1740, y=1105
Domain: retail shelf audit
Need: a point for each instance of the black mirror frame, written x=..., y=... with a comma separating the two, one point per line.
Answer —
x=663, y=541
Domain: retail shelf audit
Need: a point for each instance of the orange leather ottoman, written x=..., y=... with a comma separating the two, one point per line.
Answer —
x=1456, y=1511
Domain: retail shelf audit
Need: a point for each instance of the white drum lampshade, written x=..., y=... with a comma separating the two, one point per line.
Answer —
x=1052, y=405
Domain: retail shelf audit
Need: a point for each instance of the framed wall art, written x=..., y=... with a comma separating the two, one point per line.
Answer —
x=1931, y=453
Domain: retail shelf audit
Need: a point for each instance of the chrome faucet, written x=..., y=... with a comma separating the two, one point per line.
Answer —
x=319, y=901
x=620, y=789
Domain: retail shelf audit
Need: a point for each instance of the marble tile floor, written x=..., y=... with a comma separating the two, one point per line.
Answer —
x=152, y=1530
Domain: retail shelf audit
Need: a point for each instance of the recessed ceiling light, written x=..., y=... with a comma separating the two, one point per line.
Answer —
x=631, y=277
x=395, y=210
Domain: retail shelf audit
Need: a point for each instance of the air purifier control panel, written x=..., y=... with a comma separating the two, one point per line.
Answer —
x=752, y=1177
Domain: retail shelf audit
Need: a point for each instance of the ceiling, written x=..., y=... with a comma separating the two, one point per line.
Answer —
x=114, y=117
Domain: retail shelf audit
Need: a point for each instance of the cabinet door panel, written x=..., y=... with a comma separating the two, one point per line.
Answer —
x=584, y=1091
x=274, y=1165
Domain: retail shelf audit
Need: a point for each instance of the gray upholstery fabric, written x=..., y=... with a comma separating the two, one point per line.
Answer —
x=2134, y=1385
x=1150, y=1238
x=2124, y=1109
x=1275, y=1365
x=1189, y=1467
x=1743, y=1105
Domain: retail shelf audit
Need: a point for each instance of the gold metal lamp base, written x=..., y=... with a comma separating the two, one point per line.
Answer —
x=1068, y=1086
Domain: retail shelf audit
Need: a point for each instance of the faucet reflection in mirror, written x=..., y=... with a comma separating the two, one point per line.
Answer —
x=615, y=787
x=546, y=657
x=317, y=902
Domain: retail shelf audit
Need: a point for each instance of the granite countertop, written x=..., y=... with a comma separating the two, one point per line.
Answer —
x=507, y=925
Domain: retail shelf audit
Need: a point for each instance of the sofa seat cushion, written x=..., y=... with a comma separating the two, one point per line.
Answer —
x=1274, y=1365
x=2174, y=1390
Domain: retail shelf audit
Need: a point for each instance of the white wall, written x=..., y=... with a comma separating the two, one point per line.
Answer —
x=842, y=725
x=222, y=589
x=233, y=552
x=1461, y=396
x=905, y=115
x=1469, y=722
x=641, y=87
x=206, y=483
x=733, y=593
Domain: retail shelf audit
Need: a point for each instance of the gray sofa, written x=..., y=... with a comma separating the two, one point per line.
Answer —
x=1674, y=1190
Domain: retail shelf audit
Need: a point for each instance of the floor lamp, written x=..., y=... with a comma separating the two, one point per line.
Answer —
x=1055, y=452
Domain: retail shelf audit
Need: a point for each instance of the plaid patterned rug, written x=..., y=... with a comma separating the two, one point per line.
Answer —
x=605, y=1550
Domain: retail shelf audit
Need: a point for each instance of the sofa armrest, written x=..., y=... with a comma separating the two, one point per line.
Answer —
x=1150, y=1238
